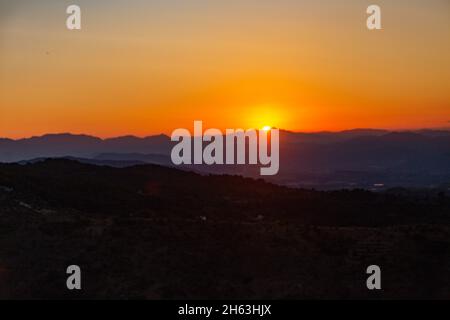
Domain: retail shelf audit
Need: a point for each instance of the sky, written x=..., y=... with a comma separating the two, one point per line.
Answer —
x=148, y=67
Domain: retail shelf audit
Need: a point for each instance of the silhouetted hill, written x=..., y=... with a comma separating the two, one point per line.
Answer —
x=141, y=186
x=154, y=232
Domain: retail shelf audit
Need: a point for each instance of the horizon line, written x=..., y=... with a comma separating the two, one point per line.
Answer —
x=166, y=135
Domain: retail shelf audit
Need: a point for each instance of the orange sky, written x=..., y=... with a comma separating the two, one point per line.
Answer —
x=140, y=67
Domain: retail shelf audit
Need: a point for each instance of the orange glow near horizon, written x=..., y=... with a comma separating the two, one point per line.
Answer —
x=314, y=67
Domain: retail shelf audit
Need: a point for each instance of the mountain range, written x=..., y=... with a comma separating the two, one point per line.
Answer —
x=367, y=158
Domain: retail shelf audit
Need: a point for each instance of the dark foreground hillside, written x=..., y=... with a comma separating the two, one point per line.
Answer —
x=157, y=233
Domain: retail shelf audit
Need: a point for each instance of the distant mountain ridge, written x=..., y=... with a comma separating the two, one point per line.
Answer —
x=352, y=158
x=61, y=145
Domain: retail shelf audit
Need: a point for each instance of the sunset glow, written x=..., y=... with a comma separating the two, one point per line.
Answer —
x=233, y=65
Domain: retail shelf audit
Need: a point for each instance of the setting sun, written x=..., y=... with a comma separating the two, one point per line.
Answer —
x=265, y=116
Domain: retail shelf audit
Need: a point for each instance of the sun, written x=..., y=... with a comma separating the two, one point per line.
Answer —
x=264, y=116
